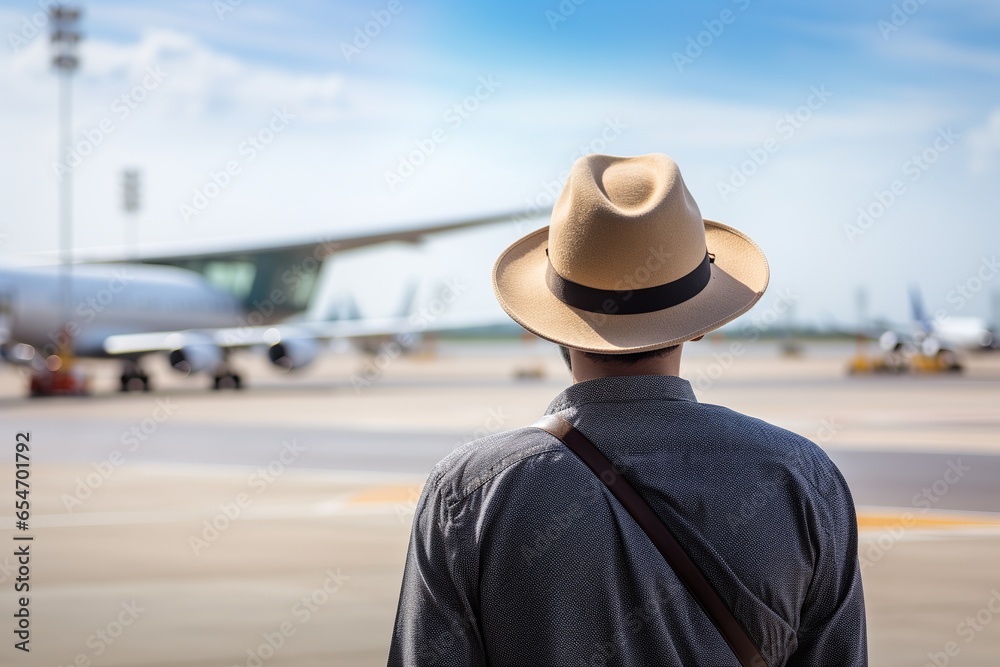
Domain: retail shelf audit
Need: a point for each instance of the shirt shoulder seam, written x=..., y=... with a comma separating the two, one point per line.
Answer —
x=493, y=472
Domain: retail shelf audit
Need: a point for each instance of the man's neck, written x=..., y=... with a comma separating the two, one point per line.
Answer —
x=587, y=369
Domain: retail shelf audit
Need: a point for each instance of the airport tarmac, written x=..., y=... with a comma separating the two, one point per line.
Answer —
x=269, y=526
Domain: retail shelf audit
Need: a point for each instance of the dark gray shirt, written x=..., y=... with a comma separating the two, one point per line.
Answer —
x=519, y=555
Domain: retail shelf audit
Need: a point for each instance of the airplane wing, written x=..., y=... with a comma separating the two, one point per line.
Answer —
x=318, y=246
x=295, y=343
x=250, y=336
x=252, y=273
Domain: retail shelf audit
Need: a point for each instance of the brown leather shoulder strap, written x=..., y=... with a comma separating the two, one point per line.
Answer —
x=694, y=580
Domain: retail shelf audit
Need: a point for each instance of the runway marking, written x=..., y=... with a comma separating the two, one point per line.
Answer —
x=400, y=499
x=910, y=524
x=337, y=506
x=882, y=521
x=397, y=493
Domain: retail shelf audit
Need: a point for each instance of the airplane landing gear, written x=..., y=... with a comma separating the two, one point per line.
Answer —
x=227, y=380
x=133, y=378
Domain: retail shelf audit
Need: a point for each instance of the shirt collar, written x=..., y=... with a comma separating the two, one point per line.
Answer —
x=624, y=389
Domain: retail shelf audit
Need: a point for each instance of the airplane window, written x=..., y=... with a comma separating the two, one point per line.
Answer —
x=235, y=277
x=302, y=291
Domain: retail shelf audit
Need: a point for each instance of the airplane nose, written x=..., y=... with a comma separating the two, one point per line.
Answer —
x=6, y=317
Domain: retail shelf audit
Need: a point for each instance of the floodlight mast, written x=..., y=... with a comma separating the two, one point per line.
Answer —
x=65, y=39
x=131, y=183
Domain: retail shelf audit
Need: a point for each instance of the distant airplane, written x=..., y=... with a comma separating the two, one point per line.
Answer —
x=196, y=308
x=934, y=336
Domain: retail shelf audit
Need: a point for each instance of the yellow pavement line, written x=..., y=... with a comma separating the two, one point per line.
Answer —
x=869, y=518
x=394, y=493
x=881, y=519
x=386, y=499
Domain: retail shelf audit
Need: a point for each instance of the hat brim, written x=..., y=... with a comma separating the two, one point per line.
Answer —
x=739, y=277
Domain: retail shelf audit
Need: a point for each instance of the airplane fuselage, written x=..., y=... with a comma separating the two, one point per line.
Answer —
x=107, y=299
x=963, y=333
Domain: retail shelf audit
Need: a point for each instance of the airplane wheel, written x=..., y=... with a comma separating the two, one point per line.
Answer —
x=227, y=381
x=949, y=361
x=136, y=382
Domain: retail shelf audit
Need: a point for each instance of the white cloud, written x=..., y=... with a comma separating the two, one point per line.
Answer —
x=984, y=142
x=326, y=172
x=914, y=46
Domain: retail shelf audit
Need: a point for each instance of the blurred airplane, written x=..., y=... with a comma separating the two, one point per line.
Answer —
x=196, y=308
x=941, y=334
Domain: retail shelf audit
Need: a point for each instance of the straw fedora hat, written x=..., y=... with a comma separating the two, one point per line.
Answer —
x=628, y=264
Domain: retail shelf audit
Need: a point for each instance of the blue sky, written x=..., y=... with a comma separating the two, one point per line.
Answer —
x=561, y=75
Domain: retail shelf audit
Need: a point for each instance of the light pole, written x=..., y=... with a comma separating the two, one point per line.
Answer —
x=65, y=39
x=131, y=203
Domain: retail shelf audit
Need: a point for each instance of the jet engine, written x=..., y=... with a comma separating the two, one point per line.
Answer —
x=195, y=358
x=293, y=353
